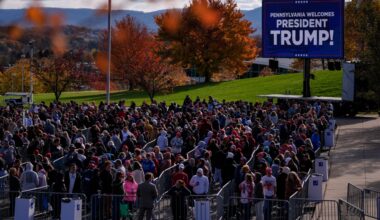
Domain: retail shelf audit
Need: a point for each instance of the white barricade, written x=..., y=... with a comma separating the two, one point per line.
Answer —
x=330, y=135
x=71, y=209
x=202, y=209
x=322, y=167
x=25, y=208
x=315, y=187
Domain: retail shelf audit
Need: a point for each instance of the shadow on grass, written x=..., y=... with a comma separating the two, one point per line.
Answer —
x=134, y=95
x=114, y=96
x=198, y=86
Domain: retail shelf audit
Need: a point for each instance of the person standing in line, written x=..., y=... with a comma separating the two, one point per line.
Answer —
x=178, y=194
x=180, y=175
x=14, y=189
x=269, y=185
x=146, y=195
x=42, y=175
x=29, y=178
x=118, y=191
x=200, y=183
x=138, y=172
x=246, y=193
x=259, y=195
x=106, y=179
x=73, y=180
x=130, y=190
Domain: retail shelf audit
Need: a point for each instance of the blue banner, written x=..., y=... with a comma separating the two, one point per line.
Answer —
x=303, y=28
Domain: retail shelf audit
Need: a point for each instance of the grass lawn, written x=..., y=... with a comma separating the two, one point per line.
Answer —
x=326, y=83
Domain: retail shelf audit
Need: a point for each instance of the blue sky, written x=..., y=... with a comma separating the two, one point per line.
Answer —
x=138, y=5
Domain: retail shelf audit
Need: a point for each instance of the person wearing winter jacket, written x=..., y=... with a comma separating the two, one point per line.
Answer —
x=130, y=192
x=29, y=178
x=162, y=141
x=177, y=143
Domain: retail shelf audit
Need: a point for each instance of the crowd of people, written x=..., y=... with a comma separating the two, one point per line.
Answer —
x=102, y=148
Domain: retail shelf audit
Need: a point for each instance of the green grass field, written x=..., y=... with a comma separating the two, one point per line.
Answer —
x=326, y=83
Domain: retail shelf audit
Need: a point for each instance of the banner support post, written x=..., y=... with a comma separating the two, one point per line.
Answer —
x=306, y=78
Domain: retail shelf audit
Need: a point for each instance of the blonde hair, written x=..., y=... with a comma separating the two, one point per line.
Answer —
x=245, y=169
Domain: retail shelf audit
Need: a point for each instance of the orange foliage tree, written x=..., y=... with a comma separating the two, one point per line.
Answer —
x=153, y=74
x=209, y=35
x=134, y=59
x=129, y=38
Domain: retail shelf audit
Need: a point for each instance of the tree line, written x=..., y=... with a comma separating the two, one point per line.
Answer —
x=210, y=36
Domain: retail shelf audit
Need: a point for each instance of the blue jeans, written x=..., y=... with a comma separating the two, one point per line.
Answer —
x=267, y=207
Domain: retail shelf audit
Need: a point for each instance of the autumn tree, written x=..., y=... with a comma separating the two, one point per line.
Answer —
x=128, y=40
x=362, y=34
x=153, y=74
x=17, y=78
x=135, y=60
x=59, y=72
x=209, y=35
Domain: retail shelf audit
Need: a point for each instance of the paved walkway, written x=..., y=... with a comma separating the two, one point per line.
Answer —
x=355, y=158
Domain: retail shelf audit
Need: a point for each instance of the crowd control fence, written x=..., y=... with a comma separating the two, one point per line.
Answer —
x=349, y=211
x=366, y=199
x=48, y=204
x=149, y=146
x=372, y=203
x=313, y=209
x=355, y=196
x=246, y=208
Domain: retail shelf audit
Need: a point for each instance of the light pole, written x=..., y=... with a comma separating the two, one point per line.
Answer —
x=31, y=74
x=109, y=54
x=22, y=73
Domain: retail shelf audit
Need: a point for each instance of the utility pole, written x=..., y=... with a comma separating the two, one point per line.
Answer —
x=109, y=54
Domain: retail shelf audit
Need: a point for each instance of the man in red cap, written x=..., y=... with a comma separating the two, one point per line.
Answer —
x=269, y=185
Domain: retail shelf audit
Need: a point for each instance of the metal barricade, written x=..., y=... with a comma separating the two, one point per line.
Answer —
x=313, y=209
x=205, y=207
x=86, y=133
x=248, y=208
x=59, y=164
x=191, y=207
x=162, y=208
x=7, y=204
x=4, y=184
x=303, y=193
x=355, y=196
x=371, y=203
x=227, y=191
x=163, y=182
x=349, y=211
x=48, y=204
x=191, y=153
x=168, y=208
x=251, y=161
x=149, y=146
x=106, y=206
